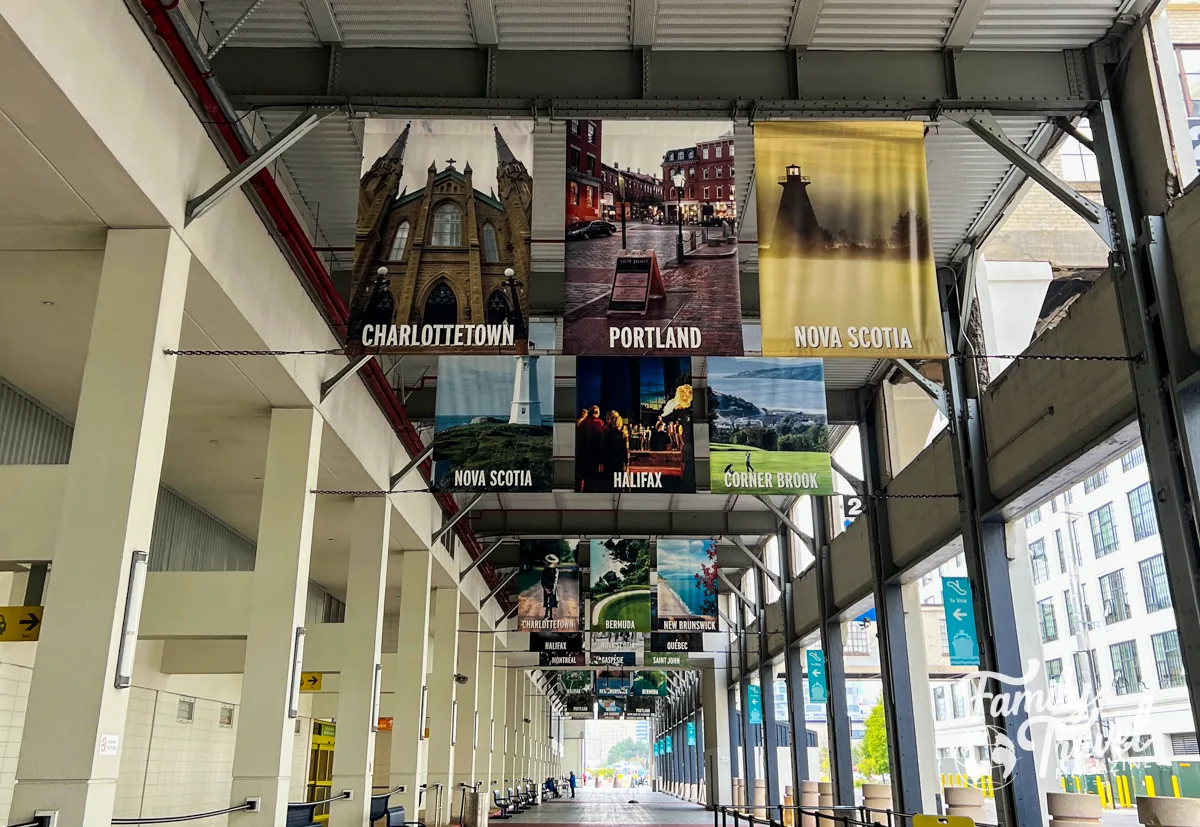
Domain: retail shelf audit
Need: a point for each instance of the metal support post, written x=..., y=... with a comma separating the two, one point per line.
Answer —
x=1168, y=412
x=735, y=735
x=793, y=666
x=749, y=770
x=932, y=390
x=841, y=768
x=453, y=521
x=331, y=384
x=782, y=516
x=754, y=558
x=889, y=612
x=766, y=685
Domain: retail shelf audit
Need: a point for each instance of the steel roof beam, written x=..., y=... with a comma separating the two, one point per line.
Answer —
x=321, y=18
x=578, y=523
x=483, y=22
x=643, y=23
x=804, y=22
x=966, y=19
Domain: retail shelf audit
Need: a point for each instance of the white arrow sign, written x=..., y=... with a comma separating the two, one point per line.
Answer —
x=959, y=615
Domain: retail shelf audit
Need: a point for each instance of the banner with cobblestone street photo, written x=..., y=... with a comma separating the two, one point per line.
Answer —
x=442, y=241
x=651, y=235
x=845, y=253
x=548, y=587
x=686, y=576
x=768, y=430
x=620, y=585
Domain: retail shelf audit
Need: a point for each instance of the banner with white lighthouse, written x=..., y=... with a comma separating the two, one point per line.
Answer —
x=494, y=423
x=845, y=253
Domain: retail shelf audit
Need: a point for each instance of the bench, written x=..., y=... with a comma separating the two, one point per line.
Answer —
x=301, y=815
x=391, y=816
x=505, y=804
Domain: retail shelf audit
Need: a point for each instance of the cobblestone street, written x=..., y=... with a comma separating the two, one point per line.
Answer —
x=703, y=293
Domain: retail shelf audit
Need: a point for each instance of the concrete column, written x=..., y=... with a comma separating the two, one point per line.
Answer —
x=499, y=721
x=408, y=725
x=469, y=699
x=922, y=698
x=354, y=758
x=513, y=702
x=108, y=513
x=262, y=758
x=485, y=699
x=442, y=695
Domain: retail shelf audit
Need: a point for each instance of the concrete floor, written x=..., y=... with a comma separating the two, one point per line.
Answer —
x=592, y=806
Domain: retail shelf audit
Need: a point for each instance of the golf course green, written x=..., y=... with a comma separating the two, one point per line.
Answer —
x=774, y=462
x=616, y=612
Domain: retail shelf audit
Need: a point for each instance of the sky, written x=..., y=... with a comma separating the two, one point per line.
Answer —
x=775, y=393
x=642, y=144
x=483, y=385
x=681, y=557
x=437, y=141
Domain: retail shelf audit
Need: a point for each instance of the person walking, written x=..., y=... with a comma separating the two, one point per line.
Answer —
x=571, y=782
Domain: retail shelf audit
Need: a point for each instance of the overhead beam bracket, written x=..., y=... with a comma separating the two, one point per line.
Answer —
x=786, y=520
x=425, y=454
x=737, y=592
x=758, y=564
x=331, y=384
x=475, y=563
x=933, y=389
x=497, y=591
x=453, y=521
x=860, y=487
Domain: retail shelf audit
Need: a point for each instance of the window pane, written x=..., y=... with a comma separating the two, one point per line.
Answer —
x=1104, y=532
x=1127, y=673
x=1141, y=510
x=1112, y=594
x=398, y=244
x=491, y=251
x=1168, y=661
x=447, y=226
x=1046, y=621
x=1037, y=559
x=1133, y=459
x=1154, y=584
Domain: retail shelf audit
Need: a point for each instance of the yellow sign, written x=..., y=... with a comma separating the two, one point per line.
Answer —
x=845, y=252
x=310, y=681
x=942, y=821
x=20, y=623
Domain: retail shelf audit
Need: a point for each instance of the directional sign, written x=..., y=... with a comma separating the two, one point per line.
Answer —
x=20, y=623
x=754, y=704
x=667, y=748
x=818, y=687
x=852, y=506
x=691, y=733
x=961, y=636
x=310, y=681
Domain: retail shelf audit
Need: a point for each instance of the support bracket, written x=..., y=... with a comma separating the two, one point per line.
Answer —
x=737, y=592
x=475, y=563
x=453, y=521
x=860, y=487
x=255, y=164
x=988, y=129
x=932, y=388
x=499, y=588
x=331, y=384
x=425, y=454
x=786, y=520
x=758, y=564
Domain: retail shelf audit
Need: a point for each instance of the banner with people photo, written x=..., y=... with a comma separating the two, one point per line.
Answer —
x=611, y=709
x=651, y=239
x=769, y=426
x=548, y=587
x=686, y=574
x=442, y=239
x=845, y=252
x=634, y=431
x=649, y=683
x=494, y=424
x=620, y=585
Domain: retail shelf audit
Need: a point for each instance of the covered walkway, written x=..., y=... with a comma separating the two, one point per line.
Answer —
x=620, y=806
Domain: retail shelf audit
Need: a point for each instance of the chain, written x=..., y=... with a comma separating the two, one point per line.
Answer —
x=369, y=493
x=883, y=495
x=332, y=352
x=1049, y=357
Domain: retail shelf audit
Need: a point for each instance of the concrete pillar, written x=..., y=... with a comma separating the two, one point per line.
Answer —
x=1074, y=810
x=408, y=725
x=499, y=732
x=965, y=801
x=469, y=699
x=485, y=697
x=442, y=695
x=1168, y=812
x=922, y=698
x=357, y=713
x=262, y=759
x=513, y=731
x=108, y=513
x=717, y=765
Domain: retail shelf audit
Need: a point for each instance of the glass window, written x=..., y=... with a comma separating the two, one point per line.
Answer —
x=719, y=150
x=1085, y=673
x=1167, y=659
x=399, y=242
x=1154, y=583
x=1046, y=621
x=573, y=193
x=1069, y=496
x=573, y=158
x=704, y=154
x=447, y=226
x=1054, y=505
x=719, y=189
x=1127, y=673
x=1037, y=560
x=590, y=194
x=1104, y=531
x=1072, y=614
x=959, y=700
x=1033, y=517
x=691, y=172
x=945, y=637
x=1078, y=162
x=1095, y=480
x=1141, y=510
x=1076, y=548
x=591, y=165
x=1058, y=546
x=591, y=132
x=720, y=172
x=1133, y=459
x=226, y=717
x=491, y=251
x=1189, y=68
x=1112, y=596
x=1054, y=670
x=939, y=703
x=185, y=710
x=706, y=170
x=856, y=639
x=706, y=193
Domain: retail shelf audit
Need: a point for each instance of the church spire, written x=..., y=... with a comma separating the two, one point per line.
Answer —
x=503, y=153
x=396, y=153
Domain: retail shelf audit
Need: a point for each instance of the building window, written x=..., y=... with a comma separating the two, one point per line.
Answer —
x=1184, y=743
x=704, y=153
x=590, y=195
x=491, y=251
x=944, y=635
x=399, y=242
x=226, y=719
x=939, y=703
x=1058, y=545
x=856, y=639
x=1037, y=561
x=1133, y=459
x=1094, y=481
x=447, y=226
x=1033, y=517
x=573, y=127
x=1078, y=162
x=1104, y=531
x=1069, y=496
x=591, y=166
x=1127, y=673
x=441, y=306
x=1112, y=597
x=1072, y=613
x=1046, y=621
x=591, y=132
x=1167, y=659
x=1054, y=671
x=719, y=195
x=573, y=157
x=1189, y=69
x=959, y=701
x=573, y=194
x=691, y=172
x=497, y=307
x=185, y=710
x=1076, y=549
x=731, y=173
x=720, y=172
x=1085, y=673
x=718, y=150
x=706, y=193
x=1154, y=583
x=705, y=171
x=1141, y=509
x=1054, y=505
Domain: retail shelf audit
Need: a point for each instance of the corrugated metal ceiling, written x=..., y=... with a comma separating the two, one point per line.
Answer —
x=883, y=24
x=748, y=25
x=598, y=24
x=1043, y=24
x=424, y=24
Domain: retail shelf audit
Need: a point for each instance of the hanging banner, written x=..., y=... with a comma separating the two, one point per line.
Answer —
x=691, y=733
x=961, y=632
x=620, y=585
x=610, y=683
x=845, y=253
x=667, y=745
x=615, y=648
x=577, y=691
x=781, y=701
x=768, y=432
x=637, y=707
x=671, y=649
x=548, y=586
x=634, y=431
x=818, y=689
x=494, y=426
x=441, y=247
x=754, y=704
x=556, y=641
x=562, y=659
x=611, y=709
x=651, y=247
x=687, y=585
x=649, y=683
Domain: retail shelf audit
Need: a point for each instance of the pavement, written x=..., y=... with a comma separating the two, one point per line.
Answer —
x=613, y=807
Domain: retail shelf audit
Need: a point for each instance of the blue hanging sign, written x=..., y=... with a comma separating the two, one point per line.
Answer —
x=818, y=688
x=691, y=733
x=754, y=704
x=668, y=745
x=961, y=635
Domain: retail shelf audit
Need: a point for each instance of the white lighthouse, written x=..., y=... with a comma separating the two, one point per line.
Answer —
x=526, y=402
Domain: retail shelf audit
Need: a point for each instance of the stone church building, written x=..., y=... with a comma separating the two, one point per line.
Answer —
x=446, y=246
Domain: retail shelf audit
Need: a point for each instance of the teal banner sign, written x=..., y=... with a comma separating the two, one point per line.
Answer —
x=691, y=733
x=961, y=635
x=667, y=747
x=818, y=688
x=754, y=704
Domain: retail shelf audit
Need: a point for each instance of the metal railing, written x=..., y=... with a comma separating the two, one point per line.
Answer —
x=249, y=805
x=836, y=815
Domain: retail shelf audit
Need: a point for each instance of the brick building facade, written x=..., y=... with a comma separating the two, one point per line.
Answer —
x=643, y=193
x=583, y=170
x=708, y=168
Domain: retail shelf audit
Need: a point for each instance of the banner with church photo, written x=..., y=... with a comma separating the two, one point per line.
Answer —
x=634, y=430
x=687, y=586
x=494, y=424
x=845, y=253
x=651, y=239
x=548, y=587
x=442, y=240
x=620, y=585
x=768, y=430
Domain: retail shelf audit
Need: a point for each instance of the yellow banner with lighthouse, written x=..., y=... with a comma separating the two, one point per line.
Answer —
x=846, y=263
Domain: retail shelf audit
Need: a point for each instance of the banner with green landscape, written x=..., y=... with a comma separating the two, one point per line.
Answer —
x=649, y=683
x=620, y=585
